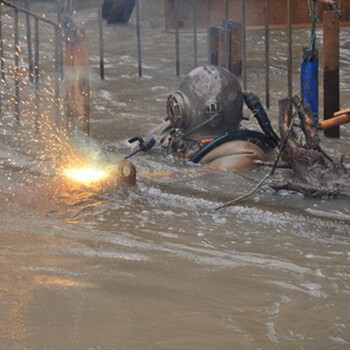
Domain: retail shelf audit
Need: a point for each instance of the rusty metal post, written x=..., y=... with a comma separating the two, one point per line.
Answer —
x=244, y=44
x=331, y=69
x=195, y=36
x=29, y=42
x=267, y=54
x=101, y=42
x=59, y=19
x=290, y=52
x=177, y=39
x=17, y=53
x=138, y=34
x=36, y=73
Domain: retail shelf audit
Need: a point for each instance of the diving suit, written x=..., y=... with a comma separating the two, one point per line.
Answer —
x=203, y=123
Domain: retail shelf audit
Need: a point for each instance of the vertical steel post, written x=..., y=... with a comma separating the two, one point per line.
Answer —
x=29, y=43
x=267, y=54
x=36, y=72
x=59, y=19
x=101, y=40
x=57, y=75
x=244, y=45
x=177, y=38
x=138, y=34
x=290, y=52
x=208, y=26
x=331, y=69
x=2, y=73
x=17, y=53
x=195, y=41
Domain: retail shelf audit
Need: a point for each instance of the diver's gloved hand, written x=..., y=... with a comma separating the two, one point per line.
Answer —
x=144, y=145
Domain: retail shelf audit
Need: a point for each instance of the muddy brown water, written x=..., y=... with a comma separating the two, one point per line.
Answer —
x=156, y=267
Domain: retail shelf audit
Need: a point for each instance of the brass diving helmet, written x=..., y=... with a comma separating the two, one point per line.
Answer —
x=208, y=103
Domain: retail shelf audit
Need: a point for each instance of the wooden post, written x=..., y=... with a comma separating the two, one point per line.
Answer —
x=331, y=69
x=78, y=82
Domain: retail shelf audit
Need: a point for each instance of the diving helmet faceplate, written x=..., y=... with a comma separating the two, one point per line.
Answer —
x=209, y=102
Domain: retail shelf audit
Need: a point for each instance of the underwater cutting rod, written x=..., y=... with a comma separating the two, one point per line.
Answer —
x=341, y=117
x=144, y=145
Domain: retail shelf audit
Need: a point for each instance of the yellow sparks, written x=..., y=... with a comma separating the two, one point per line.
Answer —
x=85, y=175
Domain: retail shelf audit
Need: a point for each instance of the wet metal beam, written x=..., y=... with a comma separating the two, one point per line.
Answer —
x=195, y=36
x=36, y=72
x=208, y=26
x=101, y=42
x=267, y=54
x=290, y=52
x=17, y=53
x=244, y=44
x=138, y=35
x=57, y=75
x=29, y=42
x=177, y=39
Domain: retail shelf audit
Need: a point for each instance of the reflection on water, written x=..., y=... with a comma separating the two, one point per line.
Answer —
x=155, y=266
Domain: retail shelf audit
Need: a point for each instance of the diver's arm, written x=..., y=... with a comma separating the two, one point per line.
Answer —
x=233, y=156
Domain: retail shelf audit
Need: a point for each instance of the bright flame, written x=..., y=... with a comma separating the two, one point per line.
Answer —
x=85, y=175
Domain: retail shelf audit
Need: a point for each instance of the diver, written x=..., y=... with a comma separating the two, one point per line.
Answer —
x=203, y=123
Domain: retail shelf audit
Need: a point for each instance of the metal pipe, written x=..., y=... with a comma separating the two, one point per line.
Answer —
x=208, y=27
x=138, y=33
x=17, y=53
x=101, y=42
x=2, y=58
x=244, y=45
x=32, y=14
x=29, y=42
x=59, y=19
x=36, y=72
x=177, y=38
x=57, y=76
x=290, y=52
x=195, y=37
x=267, y=54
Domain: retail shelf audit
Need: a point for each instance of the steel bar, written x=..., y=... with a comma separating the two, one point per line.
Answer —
x=29, y=42
x=195, y=34
x=177, y=39
x=36, y=72
x=216, y=33
x=267, y=54
x=101, y=40
x=57, y=75
x=2, y=58
x=138, y=34
x=290, y=52
x=32, y=14
x=208, y=26
x=17, y=53
x=59, y=19
x=331, y=69
x=244, y=44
